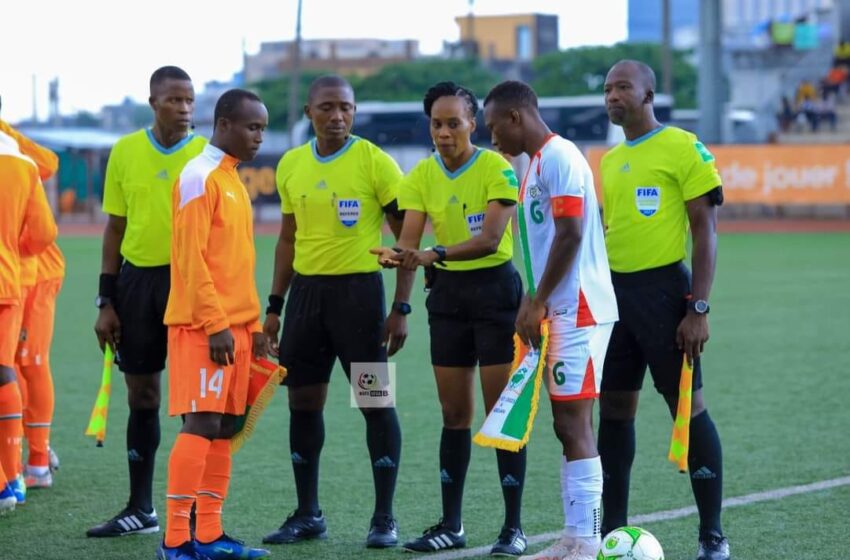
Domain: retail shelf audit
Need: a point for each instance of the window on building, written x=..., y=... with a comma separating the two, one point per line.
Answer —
x=524, y=50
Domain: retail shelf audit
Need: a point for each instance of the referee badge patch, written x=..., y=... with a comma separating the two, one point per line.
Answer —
x=348, y=211
x=648, y=199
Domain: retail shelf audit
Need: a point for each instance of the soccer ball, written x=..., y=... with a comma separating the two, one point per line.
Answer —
x=630, y=543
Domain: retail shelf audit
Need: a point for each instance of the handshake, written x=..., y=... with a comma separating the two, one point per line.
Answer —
x=409, y=259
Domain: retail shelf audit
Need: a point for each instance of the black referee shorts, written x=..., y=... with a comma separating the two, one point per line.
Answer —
x=140, y=301
x=472, y=316
x=652, y=303
x=330, y=317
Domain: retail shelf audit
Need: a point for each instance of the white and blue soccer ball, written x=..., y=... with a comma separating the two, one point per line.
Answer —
x=630, y=543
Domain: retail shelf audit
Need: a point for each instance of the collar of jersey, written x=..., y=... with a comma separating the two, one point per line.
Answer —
x=225, y=160
x=327, y=159
x=173, y=148
x=457, y=172
x=645, y=137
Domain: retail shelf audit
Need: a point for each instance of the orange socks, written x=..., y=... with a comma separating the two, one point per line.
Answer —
x=10, y=429
x=38, y=412
x=185, y=470
x=213, y=491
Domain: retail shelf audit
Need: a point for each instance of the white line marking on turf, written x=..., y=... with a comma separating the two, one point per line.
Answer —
x=666, y=515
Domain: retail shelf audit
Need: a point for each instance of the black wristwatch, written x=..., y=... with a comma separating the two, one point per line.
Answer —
x=402, y=308
x=699, y=306
x=441, y=253
x=102, y=301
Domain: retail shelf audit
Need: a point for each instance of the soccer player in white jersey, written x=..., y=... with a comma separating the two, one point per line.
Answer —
x=569, y=284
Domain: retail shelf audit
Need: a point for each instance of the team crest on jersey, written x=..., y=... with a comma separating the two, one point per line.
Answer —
x=348, y=211
x=534, y=191
x=648, y=199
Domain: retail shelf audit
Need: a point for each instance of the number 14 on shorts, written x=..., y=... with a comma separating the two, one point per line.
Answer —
x=212, y=384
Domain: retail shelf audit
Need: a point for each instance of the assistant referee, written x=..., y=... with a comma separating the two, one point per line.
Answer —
x=656, y=184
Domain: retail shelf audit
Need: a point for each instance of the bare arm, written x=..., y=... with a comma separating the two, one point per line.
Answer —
x=113, y=236
x=395, y=327
x=284, y=257
x=562, y=255
x=693, y=332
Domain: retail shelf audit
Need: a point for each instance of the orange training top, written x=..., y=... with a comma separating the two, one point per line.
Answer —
x=46, y=161
x=26, y=221
x=51, y=264
x=212, y=247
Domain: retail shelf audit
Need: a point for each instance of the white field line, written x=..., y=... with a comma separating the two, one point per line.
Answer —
x=666, y=515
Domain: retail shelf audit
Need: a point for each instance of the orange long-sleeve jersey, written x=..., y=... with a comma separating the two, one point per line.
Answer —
x=51, y=264
x=46, y=161
x=212, y=247
x=26, y=221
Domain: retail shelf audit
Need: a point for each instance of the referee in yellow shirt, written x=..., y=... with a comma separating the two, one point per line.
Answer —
x=134, y=281
x=335, y=191
x=469, y=195
x=656, y=184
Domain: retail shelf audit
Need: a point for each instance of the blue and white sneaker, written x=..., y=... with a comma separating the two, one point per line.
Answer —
x=7, y=499
x=19, y=487
x=228, y=548
x=185, y=551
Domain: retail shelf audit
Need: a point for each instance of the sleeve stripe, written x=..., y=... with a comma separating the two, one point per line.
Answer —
x=567, y=206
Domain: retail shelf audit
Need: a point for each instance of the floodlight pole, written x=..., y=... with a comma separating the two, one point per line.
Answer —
x=666, y=49
x=295, y=79
x=711, y=84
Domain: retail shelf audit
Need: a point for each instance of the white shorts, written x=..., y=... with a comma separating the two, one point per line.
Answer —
x=575, y=359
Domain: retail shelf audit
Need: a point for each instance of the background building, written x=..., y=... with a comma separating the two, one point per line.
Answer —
x=515, y=37
x=343, y=56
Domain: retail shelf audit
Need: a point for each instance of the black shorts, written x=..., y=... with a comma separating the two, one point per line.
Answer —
x=330, y=317
x=472, y=315
x=140, y=300
x=652, y=303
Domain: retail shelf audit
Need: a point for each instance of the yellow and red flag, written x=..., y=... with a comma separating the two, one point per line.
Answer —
x=97, y=422
x=682, y=425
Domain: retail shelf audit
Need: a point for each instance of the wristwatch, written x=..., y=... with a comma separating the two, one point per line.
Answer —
x=102, y=301
x=699, y=306
x=402, y=308
x=441, y=253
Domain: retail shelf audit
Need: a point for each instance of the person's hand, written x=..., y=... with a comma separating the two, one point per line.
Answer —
x=395, y=332
x=387, y=257
x=692, y=335
x=107, y=328
x=270, y=329
x=259, y=345
x=410, y=259
x=531, y=313
x=221, y=348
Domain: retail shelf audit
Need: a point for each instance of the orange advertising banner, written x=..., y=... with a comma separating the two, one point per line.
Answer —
x=775, y=174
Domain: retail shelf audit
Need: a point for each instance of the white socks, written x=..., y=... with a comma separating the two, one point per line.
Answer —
x=581, y=492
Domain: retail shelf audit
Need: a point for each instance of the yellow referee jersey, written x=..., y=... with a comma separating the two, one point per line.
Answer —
x=338, y=204
x=457, y=201
x=140, y=175
x=645, y=185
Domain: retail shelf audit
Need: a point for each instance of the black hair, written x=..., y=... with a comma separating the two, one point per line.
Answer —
x=229, y=103
x=449, y=89
x=168, y=73
x=513, y=94
x=646, y=73
x=330, y=80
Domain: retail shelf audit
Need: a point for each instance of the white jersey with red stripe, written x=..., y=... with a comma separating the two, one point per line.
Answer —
x=558, y=184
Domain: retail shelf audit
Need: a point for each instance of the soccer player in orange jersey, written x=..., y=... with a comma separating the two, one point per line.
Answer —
x=26, y=228
x=41, y=280
x=213, y=329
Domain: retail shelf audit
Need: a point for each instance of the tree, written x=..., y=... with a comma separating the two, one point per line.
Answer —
x=582, y=70
x=395, y=82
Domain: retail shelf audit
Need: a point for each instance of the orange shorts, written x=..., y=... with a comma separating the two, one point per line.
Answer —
x=10, y=332
x=196, y=383
x=37, y=327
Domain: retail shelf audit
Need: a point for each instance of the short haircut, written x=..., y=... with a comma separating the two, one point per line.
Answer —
x=646, y=73
x=227, y=106
x=513, y=94
x=449, y=89
x=330, y=80
x=168, y=73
